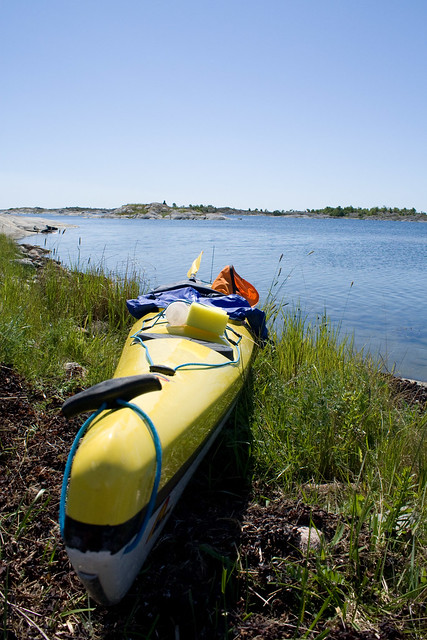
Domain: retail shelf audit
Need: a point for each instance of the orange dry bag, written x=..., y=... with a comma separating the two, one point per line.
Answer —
x=228, y=281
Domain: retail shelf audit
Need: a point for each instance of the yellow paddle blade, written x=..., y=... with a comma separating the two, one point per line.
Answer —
x=195, y=266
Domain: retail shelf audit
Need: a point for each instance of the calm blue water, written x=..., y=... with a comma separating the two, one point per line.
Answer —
x=368, y=276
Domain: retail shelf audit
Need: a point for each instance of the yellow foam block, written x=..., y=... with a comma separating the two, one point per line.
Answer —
x=207, y=318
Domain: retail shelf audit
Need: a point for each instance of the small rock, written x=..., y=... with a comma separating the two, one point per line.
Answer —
x=34, y=254
x=309, y=539
x=99, y=327
x=74, y=370
x=25, y=261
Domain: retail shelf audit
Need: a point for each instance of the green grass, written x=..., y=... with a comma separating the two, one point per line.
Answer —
x=50, y=317
x=322, y=411
x=318, y=413
x=324, y=416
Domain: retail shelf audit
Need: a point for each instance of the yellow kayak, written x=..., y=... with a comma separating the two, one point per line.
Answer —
x=173, y=389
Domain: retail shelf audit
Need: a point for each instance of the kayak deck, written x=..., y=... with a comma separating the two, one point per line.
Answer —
x=114, y=465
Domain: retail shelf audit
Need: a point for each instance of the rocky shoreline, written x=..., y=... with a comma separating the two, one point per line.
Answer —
x=34, y=256
x=19, y=226
x=152, y=211
x=159, y=211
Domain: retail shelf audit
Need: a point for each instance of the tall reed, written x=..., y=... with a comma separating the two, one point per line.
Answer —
x=322, y=410
x=52, y=316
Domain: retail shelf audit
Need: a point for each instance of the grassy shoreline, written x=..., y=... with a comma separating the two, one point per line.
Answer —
x=318, y=432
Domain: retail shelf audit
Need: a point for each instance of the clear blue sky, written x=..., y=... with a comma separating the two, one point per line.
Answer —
x=273, y=104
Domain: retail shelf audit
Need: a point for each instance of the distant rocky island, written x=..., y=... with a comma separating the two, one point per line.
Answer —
x=157, y=210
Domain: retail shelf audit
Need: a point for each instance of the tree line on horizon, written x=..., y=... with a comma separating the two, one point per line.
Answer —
x=335, y=212
x=340, y=212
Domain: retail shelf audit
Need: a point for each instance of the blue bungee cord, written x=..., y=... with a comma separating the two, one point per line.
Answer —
x=154, y=320
x=67, y=471
x=147, y=353
x=159, y=455
x=205, y=365
x=188, y=365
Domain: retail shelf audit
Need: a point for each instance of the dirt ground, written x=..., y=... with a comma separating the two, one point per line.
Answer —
x=191, y=586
